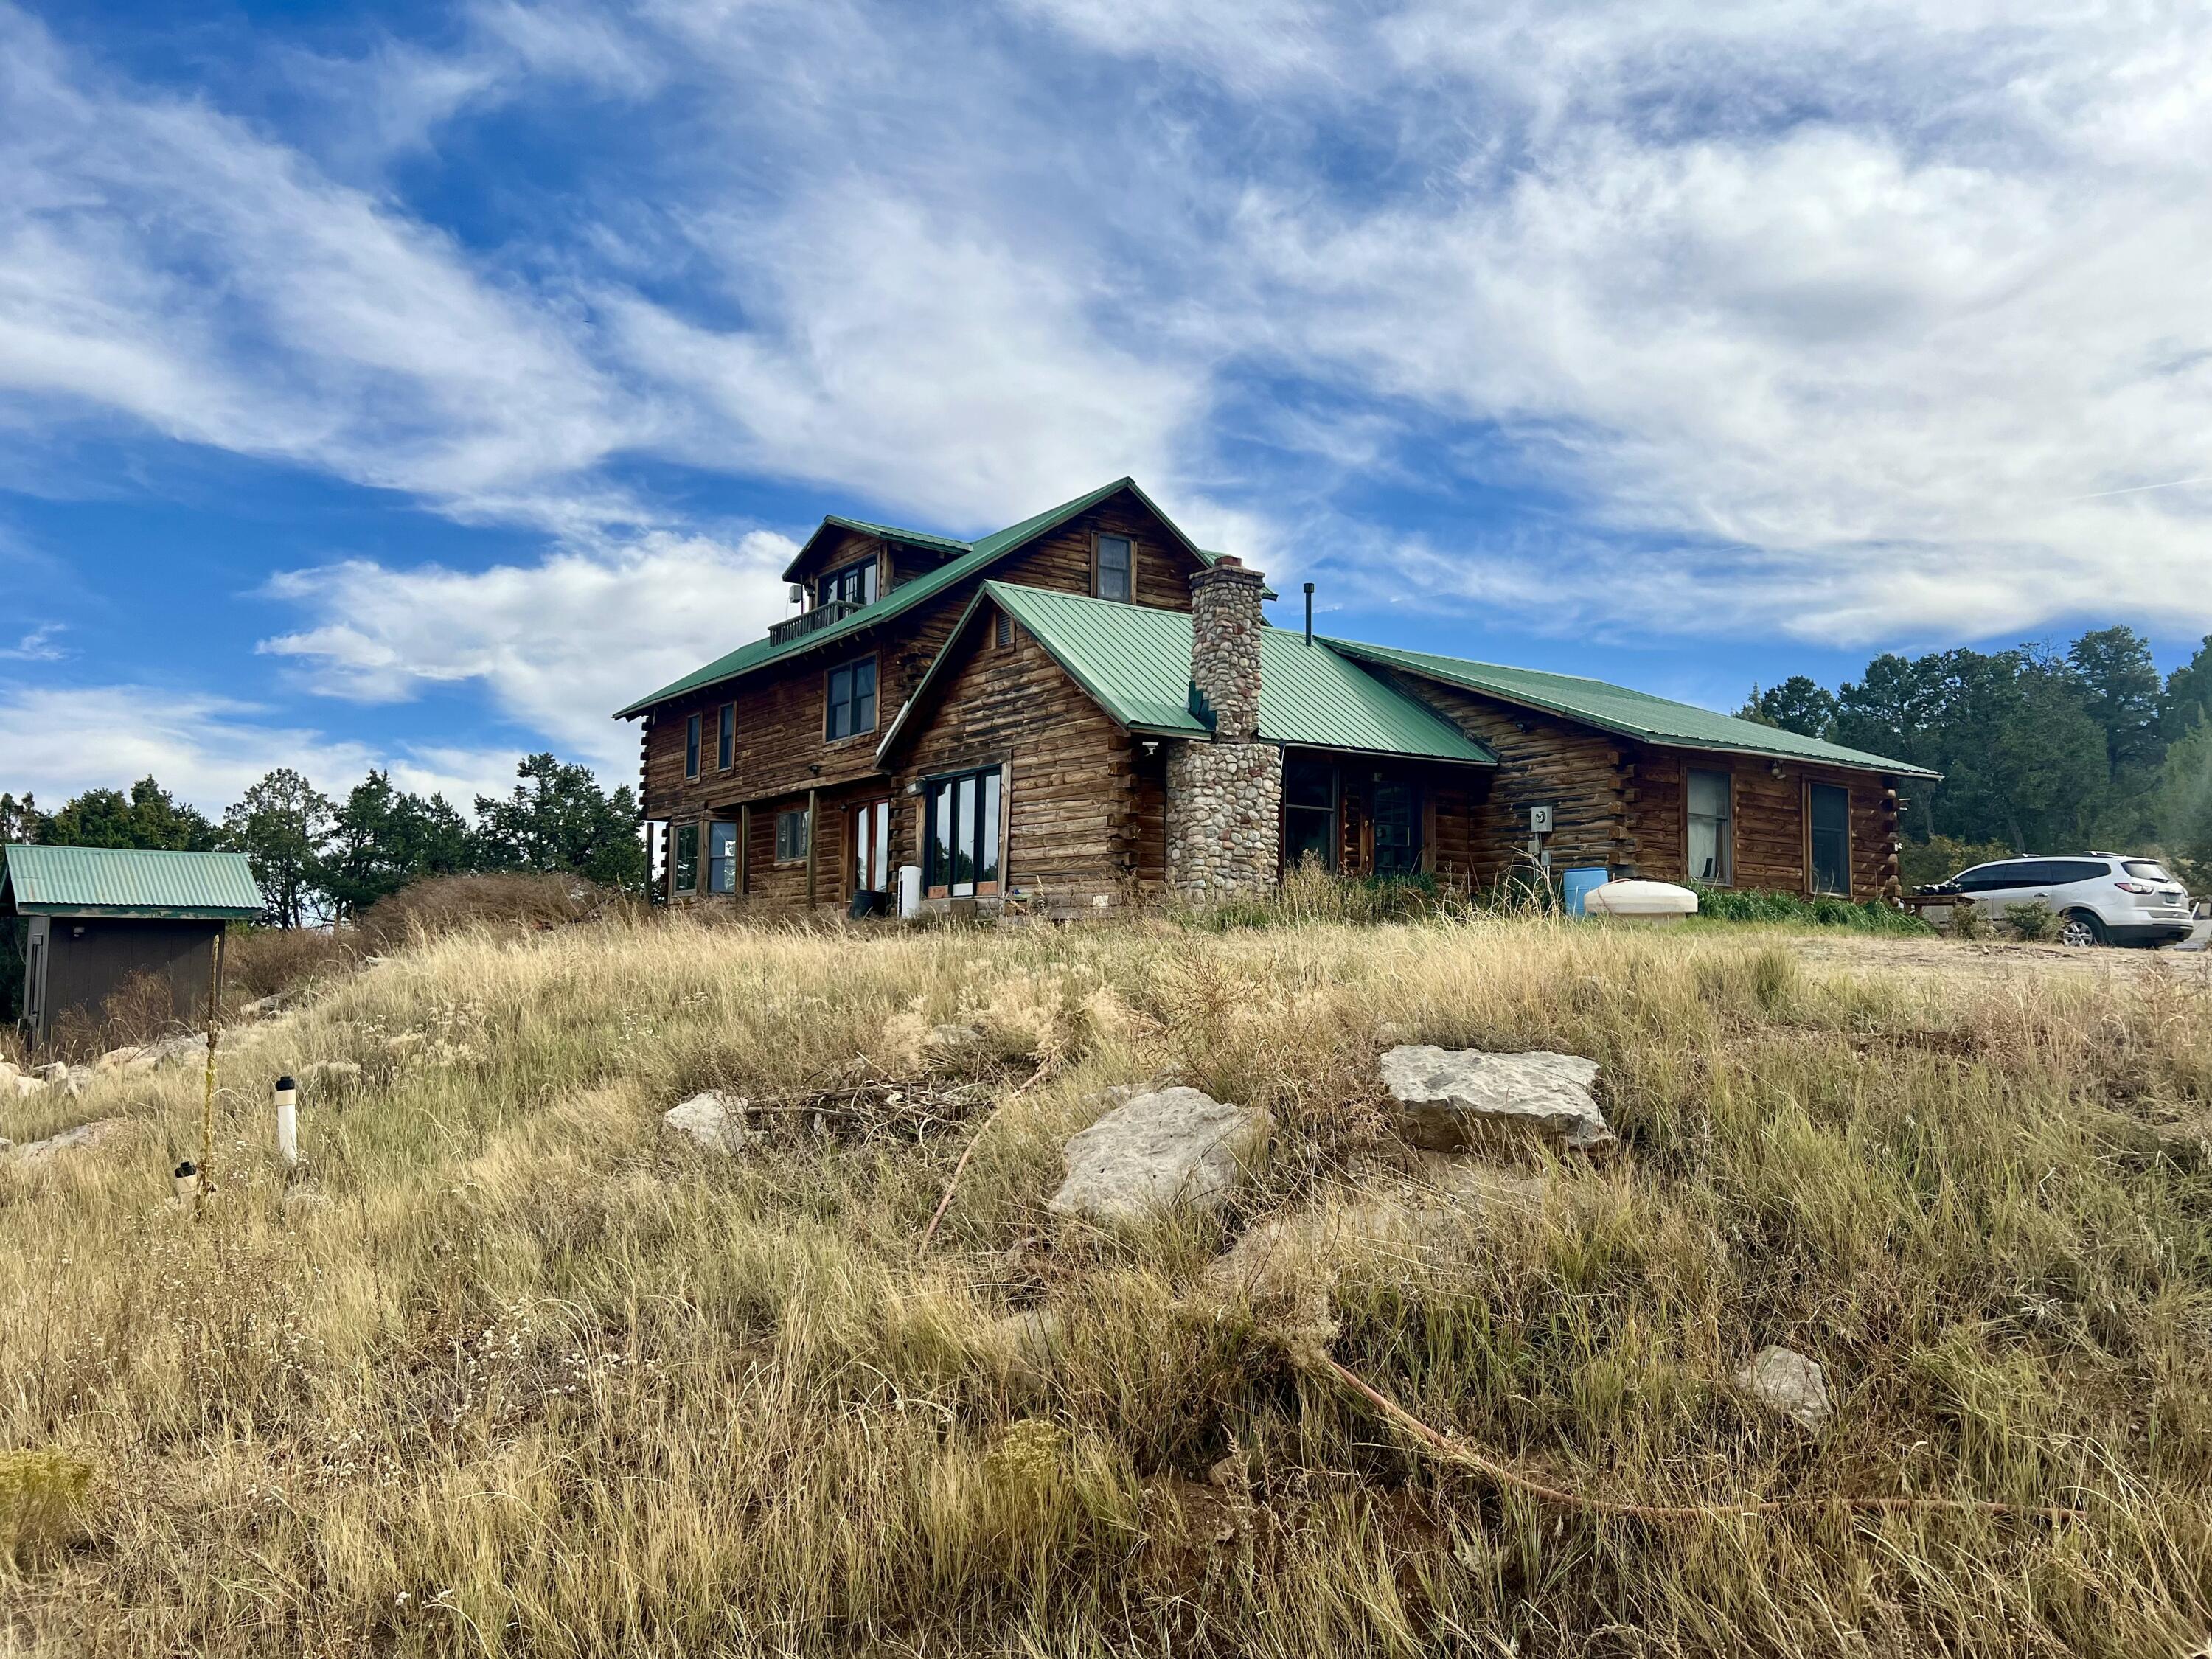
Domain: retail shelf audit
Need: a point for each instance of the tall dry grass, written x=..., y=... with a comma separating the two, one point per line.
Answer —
x=519, y=1375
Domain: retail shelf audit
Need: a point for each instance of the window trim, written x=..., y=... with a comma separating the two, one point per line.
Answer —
x=726, y=737
x=1098, y=538
x=676, y=859
x=860, y=835
x=875, y=698
x=1001, y=776
x=1813, y=887
x=1727, y=772
x=693, y=743
x=807, y=839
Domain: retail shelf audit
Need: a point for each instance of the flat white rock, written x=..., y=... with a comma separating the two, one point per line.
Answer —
x=1449, y=1097
x=84, y=1136
x=1173, y=1148
x=713, y=1121
x=1787, y=1382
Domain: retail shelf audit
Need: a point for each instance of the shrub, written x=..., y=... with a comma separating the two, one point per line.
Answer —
x=517, y=902
x=1310, y=894
x=263, y=962
x=2032, y=920
x=40, y=1495
x=1733, y=904
x=1924, y=863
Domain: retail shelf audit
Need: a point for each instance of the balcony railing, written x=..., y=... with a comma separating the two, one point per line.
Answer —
x=812, y=622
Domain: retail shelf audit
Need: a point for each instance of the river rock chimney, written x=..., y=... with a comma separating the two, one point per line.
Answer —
x=1224, y=791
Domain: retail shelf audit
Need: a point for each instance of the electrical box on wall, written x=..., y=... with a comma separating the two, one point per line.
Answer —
x=1539, y=820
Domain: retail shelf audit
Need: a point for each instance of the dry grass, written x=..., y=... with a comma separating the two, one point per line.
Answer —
x=528, y=1378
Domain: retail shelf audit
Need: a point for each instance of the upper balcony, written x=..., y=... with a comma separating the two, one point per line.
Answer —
x=812, y=621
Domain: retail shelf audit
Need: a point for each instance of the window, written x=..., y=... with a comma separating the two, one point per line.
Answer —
x=1397, y=828
x=961, y=854
x=1828, y=810
x=792, y=842
x=721, y=858
x=1116, y=567
x=1713, y=852
x=685, y=871
x=1308, y=813
x=1002, y=631
x=851, y=699
x=872, y=847
x=725, y=742
x=2061, y=873
x=2144, y=870
x=854, y=584
x=691, y=747
x=1995, y=878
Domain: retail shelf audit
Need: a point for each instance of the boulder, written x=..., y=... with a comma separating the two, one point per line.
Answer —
x=78, y=1080
x=1451, y=1099
x=162, y=1051
x=1785, y=1381
x=1027, y=1345
x=26, y=1085
x=1170, y=1149
x=98, y=1132
x=53, y=1070
x=713, y=1122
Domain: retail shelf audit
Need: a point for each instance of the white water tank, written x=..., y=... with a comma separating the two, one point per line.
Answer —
x=1641, y=901
x=909, y=891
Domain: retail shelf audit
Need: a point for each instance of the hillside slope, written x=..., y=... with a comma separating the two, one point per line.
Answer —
x=517, y=1370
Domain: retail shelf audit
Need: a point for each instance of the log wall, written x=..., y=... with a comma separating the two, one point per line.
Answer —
x=1772, y=848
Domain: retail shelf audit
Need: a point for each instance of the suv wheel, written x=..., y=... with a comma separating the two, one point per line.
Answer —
x=2079, y=928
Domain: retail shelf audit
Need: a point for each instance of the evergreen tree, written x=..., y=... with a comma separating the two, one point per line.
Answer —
x=559, y=819
x=1798, y=704
x=2120, y=683
x=21, y=824
x=383, y=838
x=281, y=825
x=2184, y=805
x=2188, y=698
x=149, y=817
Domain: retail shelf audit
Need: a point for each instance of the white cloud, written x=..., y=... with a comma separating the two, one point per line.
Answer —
x=37, y=646
x=204, y=750
x=558, y=646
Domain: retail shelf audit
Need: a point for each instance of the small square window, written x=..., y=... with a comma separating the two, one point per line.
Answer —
x=791, y=837
x=725, y=744
x=1116, y=568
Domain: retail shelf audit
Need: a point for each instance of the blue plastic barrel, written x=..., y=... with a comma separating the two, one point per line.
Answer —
x=1577, y=885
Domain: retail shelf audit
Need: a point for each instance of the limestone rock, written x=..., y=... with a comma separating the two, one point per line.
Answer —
x=1028, y=1344
x=78, y=1080
x=1174, y=1147
x=85, y=1136
x=1787, y=1382
x=1450, y=1099
x=713, y=1121
x=52, y=1072
x=27, y=1085
x=162, y=1051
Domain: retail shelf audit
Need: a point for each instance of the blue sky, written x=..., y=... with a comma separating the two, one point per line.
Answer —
x=414, y=386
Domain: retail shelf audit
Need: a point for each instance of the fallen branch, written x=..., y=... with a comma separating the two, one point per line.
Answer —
x=951, y=1185
x=1313, y=1358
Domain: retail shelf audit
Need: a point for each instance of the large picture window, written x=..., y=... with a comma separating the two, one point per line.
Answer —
x=960, y=854
x=852, y=700
x=721, y=858
x=1308, y=813
x=854, y=584
x=726, y=738
x=1711, y=835
x=1117, y=565
x=685, y=872
x=1829, y=808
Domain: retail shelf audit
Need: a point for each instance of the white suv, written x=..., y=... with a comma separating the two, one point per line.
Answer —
x=2099, y=897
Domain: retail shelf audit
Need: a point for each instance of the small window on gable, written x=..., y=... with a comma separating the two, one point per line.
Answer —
x=1116, y=569
x=691, y=747
x=852, y=700
x=725, y=744
x=1003, y=631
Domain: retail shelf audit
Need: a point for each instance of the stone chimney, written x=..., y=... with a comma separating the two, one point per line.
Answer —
x=1225, y=647
x=1224, y=792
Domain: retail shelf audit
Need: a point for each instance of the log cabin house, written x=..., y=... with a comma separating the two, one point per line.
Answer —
x=1087, y=709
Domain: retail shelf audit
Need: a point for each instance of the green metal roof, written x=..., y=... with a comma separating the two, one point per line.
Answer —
x=978, y=556
x=1134, y=660
x=118, y=881
x=1632, y=713
x=890, y=532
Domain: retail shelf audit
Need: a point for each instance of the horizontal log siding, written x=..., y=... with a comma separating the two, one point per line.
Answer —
x=1449, y=800
x=1575, y=768
x=1071, y=832
x=1769, y=817
x=780, y=708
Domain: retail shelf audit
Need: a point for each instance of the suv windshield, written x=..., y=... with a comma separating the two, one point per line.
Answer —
x=2145, y=870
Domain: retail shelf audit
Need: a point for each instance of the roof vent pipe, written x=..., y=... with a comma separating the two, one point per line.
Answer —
x=1309, y=613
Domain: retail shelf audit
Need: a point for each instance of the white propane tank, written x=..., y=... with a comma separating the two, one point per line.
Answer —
x=909, y=891
x=1641, y=901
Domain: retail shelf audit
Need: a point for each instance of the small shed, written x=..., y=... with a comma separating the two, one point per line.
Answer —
x=86, y=919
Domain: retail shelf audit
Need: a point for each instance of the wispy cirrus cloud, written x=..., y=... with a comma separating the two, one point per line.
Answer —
x=37, y=646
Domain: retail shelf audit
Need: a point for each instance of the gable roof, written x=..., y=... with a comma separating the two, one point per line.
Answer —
x=976, y=556
x=118, y=881
x=1637, y=715
x=1134, y=662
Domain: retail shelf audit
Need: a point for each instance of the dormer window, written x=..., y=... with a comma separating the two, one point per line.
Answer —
x=854, y=584
x=1117, y=570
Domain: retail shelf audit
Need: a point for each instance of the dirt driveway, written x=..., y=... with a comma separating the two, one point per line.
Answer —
x=1994, y=960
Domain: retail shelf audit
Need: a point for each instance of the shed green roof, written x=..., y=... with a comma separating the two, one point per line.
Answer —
x=1632, y=713
x=118, y=881
x=1135, y=661
x=974, y=557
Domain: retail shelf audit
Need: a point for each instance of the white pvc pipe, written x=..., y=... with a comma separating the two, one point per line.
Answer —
x=288, y=1123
